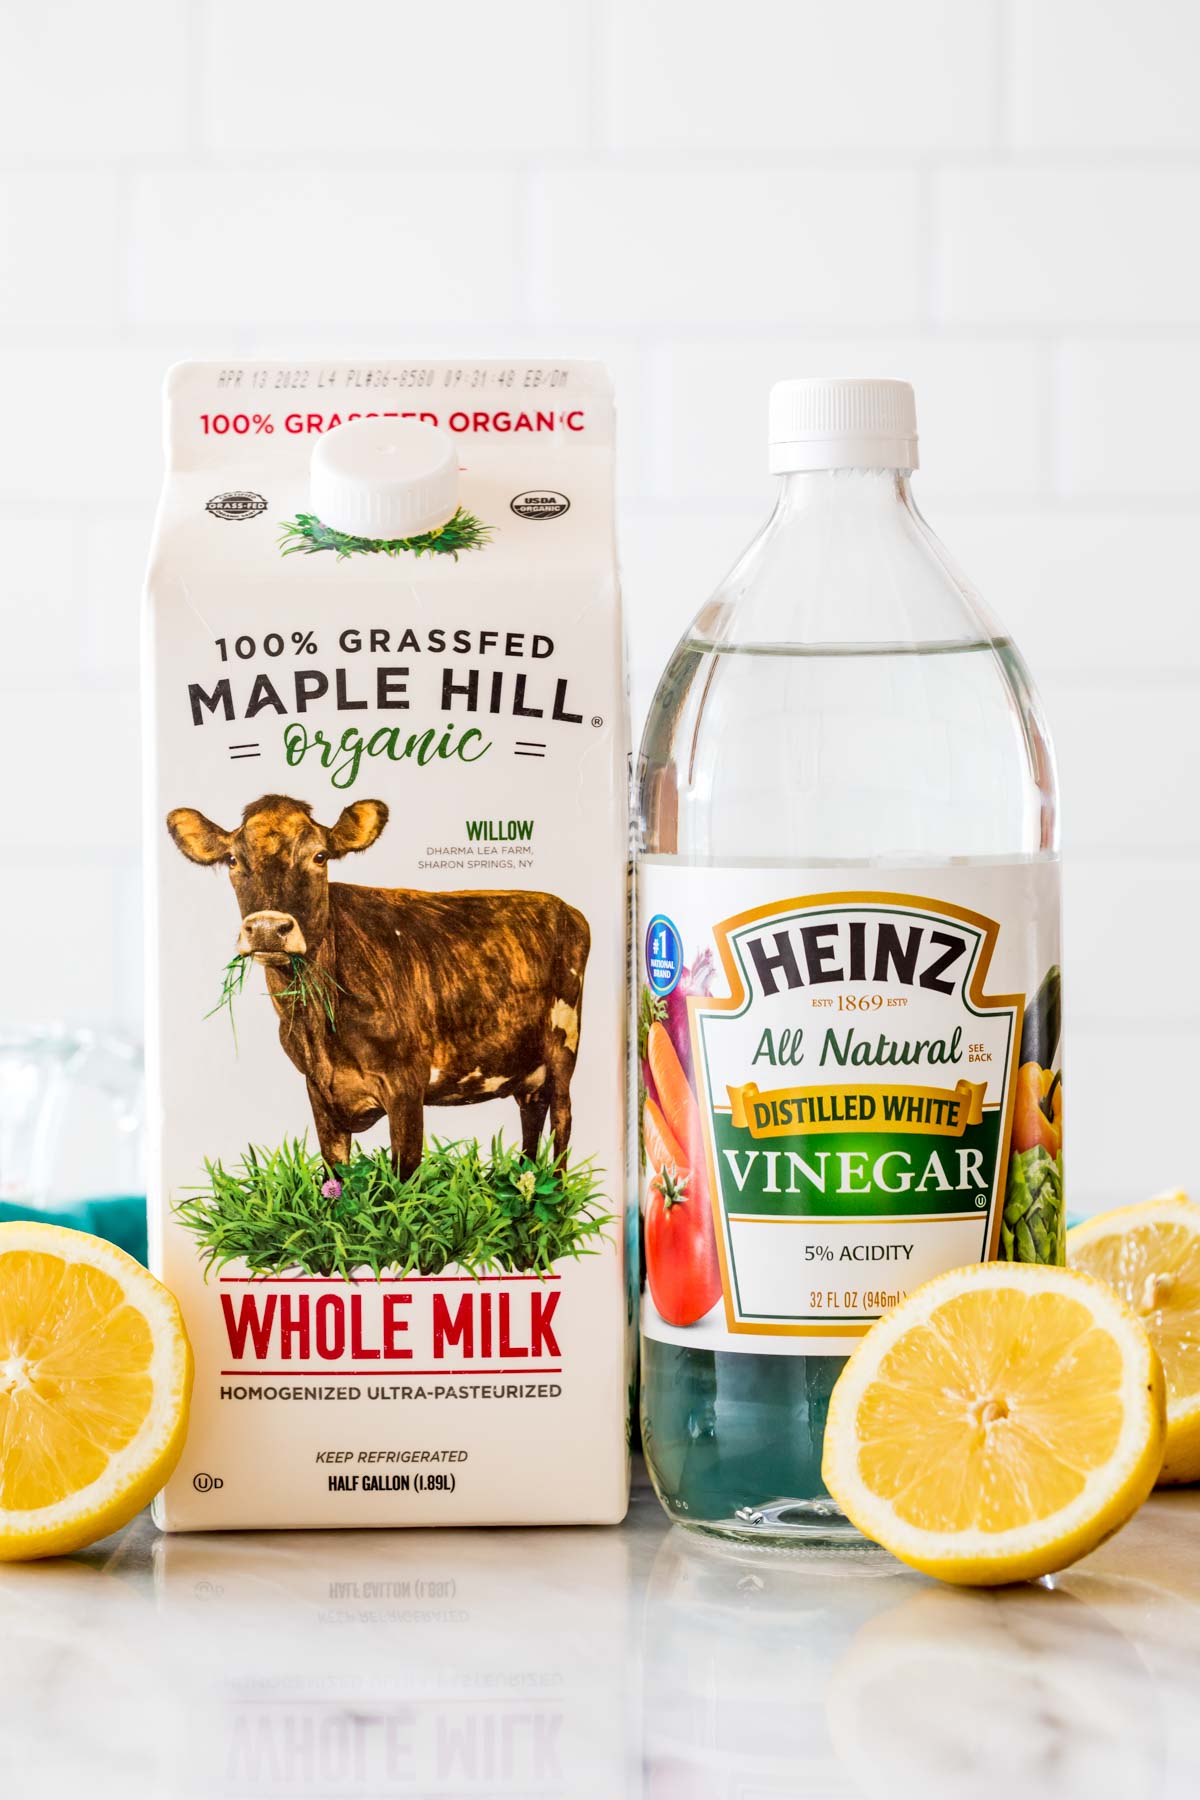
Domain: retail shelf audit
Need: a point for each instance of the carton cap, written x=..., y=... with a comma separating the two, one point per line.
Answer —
x=384, y=478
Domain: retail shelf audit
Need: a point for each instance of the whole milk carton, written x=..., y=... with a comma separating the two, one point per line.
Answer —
x=387, y=921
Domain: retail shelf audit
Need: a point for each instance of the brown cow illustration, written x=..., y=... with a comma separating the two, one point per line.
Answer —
x=441, y=999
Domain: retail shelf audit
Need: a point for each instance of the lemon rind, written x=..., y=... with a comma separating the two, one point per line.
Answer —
x=1162, y=1209
x=1110, y=1494
x=1181, y=1457
x=137, y=1471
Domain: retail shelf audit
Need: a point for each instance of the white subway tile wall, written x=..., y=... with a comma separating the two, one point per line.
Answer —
x=993, y=198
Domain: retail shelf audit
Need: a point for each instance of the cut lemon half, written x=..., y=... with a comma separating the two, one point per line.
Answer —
x=1151, y=1255
x=1000, y=1423
x=95, y=1379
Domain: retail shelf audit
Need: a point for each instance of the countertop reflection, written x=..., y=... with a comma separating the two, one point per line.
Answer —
x=633, y=1661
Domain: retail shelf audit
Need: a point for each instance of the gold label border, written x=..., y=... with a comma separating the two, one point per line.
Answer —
x=739, y=995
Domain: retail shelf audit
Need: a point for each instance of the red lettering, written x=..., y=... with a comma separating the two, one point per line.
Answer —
x=485, y=1324
x=504, y=421
x=248, y=1321
x=293, y=1323
x=301, y=424
x=393, y=1325
x=544, y=1340
x=507, y=1347
x=457, y=1330
x=357, y=1346
x=331, y=1327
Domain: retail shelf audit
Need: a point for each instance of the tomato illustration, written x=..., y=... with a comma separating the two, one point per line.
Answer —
x=682, y=1269
x=681, y=1248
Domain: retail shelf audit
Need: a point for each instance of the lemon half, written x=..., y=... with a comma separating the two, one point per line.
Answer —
x=1000, y=1423
x=95, y=1380
x=1150, y=1254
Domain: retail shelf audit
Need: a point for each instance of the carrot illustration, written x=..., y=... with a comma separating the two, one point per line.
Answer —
x=662, y=1148
x=675, y=1095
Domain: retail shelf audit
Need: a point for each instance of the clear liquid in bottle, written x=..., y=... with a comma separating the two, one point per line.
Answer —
x=846, y=848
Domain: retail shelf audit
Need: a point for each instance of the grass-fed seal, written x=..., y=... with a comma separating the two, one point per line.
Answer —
x=385, y=816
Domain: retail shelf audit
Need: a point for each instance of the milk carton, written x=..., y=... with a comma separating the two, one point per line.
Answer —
x=386, y=850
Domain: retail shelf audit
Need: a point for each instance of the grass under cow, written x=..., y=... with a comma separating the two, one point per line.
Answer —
x=485, y=1213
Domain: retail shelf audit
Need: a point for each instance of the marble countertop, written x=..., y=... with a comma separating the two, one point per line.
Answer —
x=632, y=1661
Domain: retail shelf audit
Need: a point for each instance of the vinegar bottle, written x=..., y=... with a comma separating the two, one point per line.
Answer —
x=848, y=1011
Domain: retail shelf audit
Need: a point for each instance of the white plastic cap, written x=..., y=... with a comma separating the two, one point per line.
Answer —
x=384, y=478
x=842, y=425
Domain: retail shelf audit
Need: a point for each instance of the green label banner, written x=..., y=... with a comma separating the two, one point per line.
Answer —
x=834, y=1174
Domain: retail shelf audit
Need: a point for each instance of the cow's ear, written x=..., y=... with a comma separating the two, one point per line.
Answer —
x=200, y=840
x=359, y=825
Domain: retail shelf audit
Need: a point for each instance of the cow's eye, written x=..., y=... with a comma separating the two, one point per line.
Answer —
x=232, y=861
x=321, y=858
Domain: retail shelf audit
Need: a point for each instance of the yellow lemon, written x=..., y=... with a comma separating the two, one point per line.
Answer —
x=1151, y=1255
x=1000, y=1423
x=95, y=1380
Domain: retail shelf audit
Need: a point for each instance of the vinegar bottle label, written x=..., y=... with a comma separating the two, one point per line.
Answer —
x=849, y=1084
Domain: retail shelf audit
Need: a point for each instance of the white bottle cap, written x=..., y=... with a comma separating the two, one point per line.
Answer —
x=842, y=425
x=384, y=478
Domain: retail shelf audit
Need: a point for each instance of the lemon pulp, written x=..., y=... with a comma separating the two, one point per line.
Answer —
x=95, y=1378
x=75, y=1381
x=983, y=1445
x=1150, y=1255
x=998, y=1423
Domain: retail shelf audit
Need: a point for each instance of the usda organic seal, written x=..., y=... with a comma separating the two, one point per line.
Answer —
x=540, y=503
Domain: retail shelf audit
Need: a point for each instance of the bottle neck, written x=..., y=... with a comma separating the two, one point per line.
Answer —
x=844, y=558
x=816, y=490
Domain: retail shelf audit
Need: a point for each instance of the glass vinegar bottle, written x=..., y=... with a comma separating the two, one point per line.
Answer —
x=846, y=850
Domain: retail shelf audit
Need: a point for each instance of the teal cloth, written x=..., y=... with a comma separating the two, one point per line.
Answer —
x=121, y=1218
